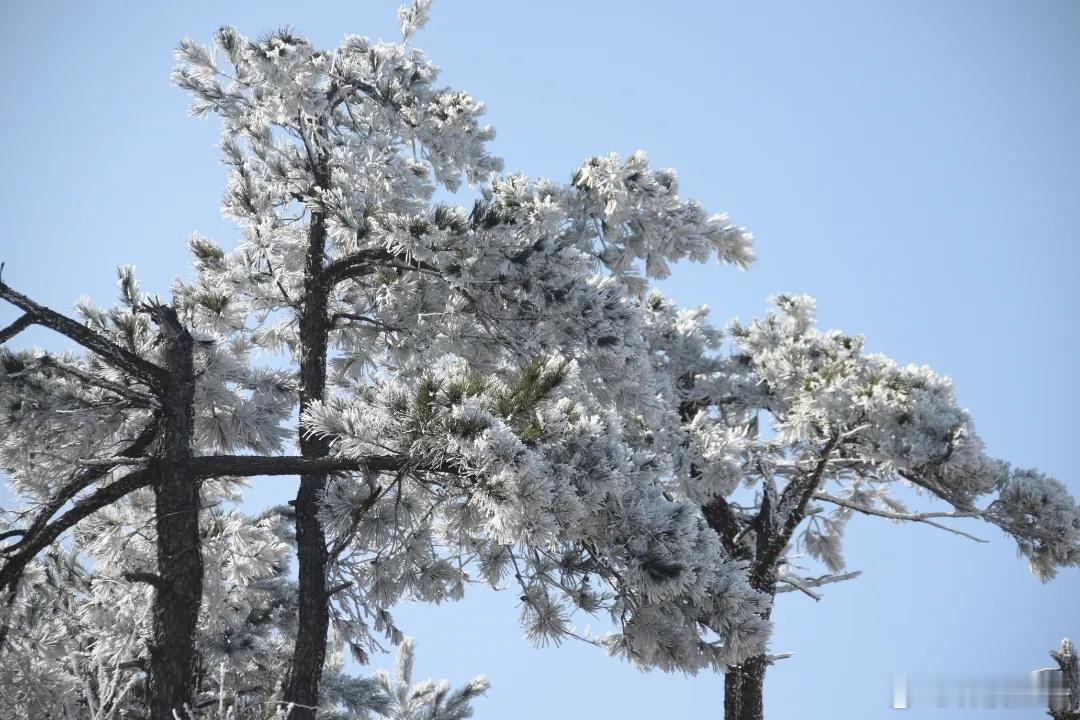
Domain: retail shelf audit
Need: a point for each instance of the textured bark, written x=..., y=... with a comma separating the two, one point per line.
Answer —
x=313, y=615
x=773, y=526
x=313, y=619
x=249, y=465
x=16, y=327
x=178, y=582
x=723, y=520
x=743, y=687
x=744, y=684
x=178, y=585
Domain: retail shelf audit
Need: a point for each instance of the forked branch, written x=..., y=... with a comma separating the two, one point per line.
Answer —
x=117, y=356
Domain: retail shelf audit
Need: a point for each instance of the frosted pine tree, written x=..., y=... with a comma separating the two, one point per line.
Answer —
x=109, y=438
x=490, y=348
x=98, y=447
x=484, y=392
x=786, y=431
x=425, y=700
x=413, y=517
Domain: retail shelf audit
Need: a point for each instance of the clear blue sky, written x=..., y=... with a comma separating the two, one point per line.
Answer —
x=914, y=165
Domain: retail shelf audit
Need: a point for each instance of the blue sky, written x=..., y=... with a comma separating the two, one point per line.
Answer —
x=914, y=165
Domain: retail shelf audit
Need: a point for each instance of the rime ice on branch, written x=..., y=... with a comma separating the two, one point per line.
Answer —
x=488, y=392
x=349, y=265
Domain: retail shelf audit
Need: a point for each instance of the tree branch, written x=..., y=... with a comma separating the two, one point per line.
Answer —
x=81, y=481
x=330, y=592
x=925, y=518
x=249, y=465
x=16, y=327
x=791, y=509
x=723, y=520
x=357, y=514
x=804, y=584
x=364, y=262
x=11, y=571
x=145, y=577
x=795, y=583
x=11, y=534
x=109, y=351
x=140, y=399
x=365, y=319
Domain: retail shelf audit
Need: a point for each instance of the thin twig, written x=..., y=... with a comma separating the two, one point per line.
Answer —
x=925, y=518
x=804, y=584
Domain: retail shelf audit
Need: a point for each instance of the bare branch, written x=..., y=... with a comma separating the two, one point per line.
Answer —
x=106, y=349
x=365, y=262
x=797, y=584
x=365, y=319
x=145, y=577
x=330, y=592
x=949, y=496
x=111, y=462
x=16, y=327
x=11, y=571
x=804, y=584
x=925, y=518
x=250, y=465
x=12, y=533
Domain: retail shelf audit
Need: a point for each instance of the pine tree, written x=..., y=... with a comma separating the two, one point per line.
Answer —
x=488, y=392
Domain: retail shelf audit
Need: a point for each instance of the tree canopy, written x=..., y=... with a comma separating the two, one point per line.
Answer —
x=487, y=392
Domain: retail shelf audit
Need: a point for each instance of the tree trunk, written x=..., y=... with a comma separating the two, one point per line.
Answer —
x=309, y=653
x=743, y=685
x=773, y=526
x=313, y=615
x=178, y=585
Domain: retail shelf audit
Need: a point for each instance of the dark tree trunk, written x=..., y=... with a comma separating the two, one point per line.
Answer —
x=178, y=585
x=178, y=582
x=309, y=653
x=773, y=526
x=313, y=617
x=744, y=684
x=743, y=687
